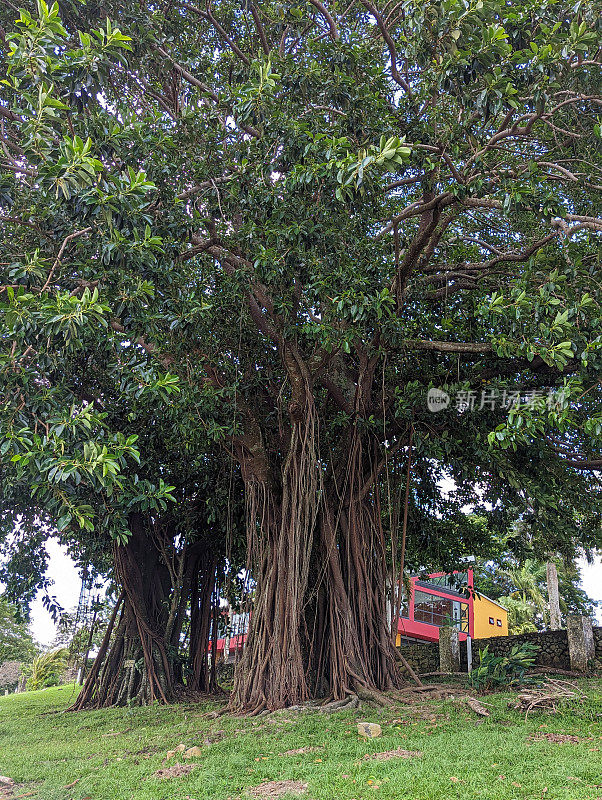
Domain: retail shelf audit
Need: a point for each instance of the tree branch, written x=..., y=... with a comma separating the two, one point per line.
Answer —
x=334, y=31
x=60, y=254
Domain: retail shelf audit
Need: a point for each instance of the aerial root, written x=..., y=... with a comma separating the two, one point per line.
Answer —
x=346, y=704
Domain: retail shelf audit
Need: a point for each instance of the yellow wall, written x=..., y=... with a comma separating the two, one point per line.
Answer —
x=483, y=609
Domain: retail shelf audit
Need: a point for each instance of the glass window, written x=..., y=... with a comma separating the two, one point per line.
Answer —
x=499, y=623
x=491, y=621
x=455, y=581
x=439, y=611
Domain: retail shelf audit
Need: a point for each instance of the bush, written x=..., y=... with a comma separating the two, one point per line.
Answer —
x=10, y=672
x=494, y=671
x=47, y=669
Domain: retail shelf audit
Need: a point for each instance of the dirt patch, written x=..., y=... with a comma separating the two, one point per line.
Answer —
x=387, y=755
x=177, y=771
x=300, y=751
x=277, y=789
x=558, y=738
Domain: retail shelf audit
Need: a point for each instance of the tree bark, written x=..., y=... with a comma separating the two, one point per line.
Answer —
x=202, y=600
x=282, y=507
x=132, y=665
x=553, y=596
x=272, y=671
x=359, y=655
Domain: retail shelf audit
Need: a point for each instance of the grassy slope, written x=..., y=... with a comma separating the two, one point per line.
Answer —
x=44, y=749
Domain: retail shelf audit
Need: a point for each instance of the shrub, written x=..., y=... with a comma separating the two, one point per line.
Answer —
x=10, y=672
x=494, y=671
x=47, y=669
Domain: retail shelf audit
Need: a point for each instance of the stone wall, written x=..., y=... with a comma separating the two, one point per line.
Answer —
x=422, y=657
x=553, y=650
x=553, y=647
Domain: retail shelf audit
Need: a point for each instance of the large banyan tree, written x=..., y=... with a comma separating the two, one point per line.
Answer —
x=305, y=216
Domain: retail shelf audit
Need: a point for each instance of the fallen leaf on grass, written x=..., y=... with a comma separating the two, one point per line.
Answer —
x=300, y=751
x=71, y=785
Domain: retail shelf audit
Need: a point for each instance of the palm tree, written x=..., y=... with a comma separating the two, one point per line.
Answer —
x=527, y=579
x=521, y=613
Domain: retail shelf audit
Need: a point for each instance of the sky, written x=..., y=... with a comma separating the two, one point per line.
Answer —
x=62, y=571
x=67, y=583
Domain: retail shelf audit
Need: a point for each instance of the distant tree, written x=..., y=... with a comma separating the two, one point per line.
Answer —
x=47, y=669
x=76, y=635
x=522, y=588
x=521, y=614
x=16, y=640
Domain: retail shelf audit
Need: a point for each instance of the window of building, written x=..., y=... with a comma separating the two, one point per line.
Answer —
x=499, y=623
x=440, y=611
x=491, y=621
x=455, y=581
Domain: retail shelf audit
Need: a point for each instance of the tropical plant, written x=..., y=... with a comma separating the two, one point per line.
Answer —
x=47, y=669
x=495, y=671
x=16, y=640
x=521, y=614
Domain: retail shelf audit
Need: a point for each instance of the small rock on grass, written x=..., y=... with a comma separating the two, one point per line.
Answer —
x=193, y=752
x=179, y=749
x=369, y=730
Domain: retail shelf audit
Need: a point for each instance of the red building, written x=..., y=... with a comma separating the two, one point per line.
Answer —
x=443, y=599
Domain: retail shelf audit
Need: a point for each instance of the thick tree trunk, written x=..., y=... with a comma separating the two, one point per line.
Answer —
x=553, y=596
x=272, y=671
x=329, y=636
x=132, y=664
x=202, y=601
x=357, y=654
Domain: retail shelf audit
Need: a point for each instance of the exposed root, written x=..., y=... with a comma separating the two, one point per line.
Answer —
x=476, y=706
x=374, y=697
x=348, y=703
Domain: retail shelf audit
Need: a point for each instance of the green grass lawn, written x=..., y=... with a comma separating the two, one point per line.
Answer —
x=114, y=754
